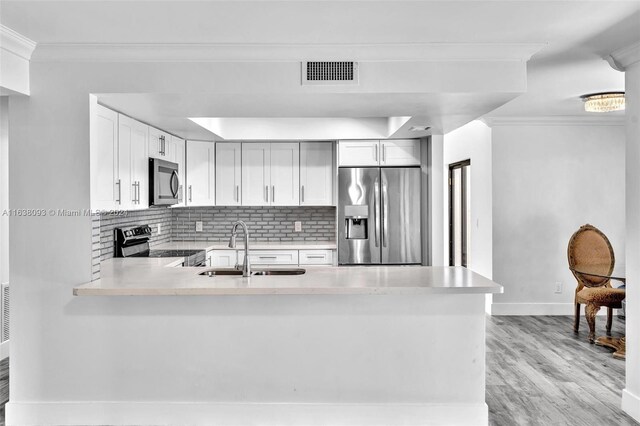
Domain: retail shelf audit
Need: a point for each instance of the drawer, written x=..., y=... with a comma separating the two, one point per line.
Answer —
x=221, y=258
x=270, y=257
x=316, y=257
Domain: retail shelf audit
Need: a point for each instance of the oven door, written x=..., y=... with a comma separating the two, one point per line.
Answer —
x=164, y=183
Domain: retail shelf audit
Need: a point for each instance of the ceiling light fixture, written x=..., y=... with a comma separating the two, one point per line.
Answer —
x=604, y=102
x=419, y=128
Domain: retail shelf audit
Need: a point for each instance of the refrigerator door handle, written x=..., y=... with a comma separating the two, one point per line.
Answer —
x=376, y=210
x=385, y=213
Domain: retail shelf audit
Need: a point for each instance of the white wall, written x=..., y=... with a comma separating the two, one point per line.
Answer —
x=4, y=189
x=473, y=142
x=631, y=394
x=548, y=181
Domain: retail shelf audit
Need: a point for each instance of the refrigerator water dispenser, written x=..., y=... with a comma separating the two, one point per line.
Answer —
x=356, y=222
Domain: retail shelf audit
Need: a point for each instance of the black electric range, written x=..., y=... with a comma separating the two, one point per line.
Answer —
x=133, y=241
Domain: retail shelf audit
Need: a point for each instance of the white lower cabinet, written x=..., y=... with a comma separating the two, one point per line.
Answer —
x=316, y=257
x=270, y=257
x=229, y=258
x=222, y=258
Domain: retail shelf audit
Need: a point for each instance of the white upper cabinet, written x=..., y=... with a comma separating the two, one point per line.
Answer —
x=105, y=188
x=159, y=142
x=270, y=174
x=285, y=174
x=176, y=152
x=316, y=173
x=359, y=153
x=133, y=166
x=400, y=152
x=200, y=174
x=256, y=174
x=228, y=174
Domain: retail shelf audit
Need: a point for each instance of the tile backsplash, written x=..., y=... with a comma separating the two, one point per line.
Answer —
x=264, y=223
x=179, y=224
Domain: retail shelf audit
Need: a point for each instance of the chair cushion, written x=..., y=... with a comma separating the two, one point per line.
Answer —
x=604, y=296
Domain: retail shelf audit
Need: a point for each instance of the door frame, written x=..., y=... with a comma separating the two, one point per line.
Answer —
x=462, y=165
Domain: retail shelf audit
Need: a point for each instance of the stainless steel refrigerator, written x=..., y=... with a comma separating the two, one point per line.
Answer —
x=379, y=216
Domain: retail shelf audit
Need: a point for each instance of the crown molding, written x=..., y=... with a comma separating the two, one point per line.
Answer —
x=290, y=52
x=563, y=120
x=16, y=43
x=625, y=57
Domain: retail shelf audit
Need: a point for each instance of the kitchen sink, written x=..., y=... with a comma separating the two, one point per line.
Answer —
x=255, y=272
x=292, y=271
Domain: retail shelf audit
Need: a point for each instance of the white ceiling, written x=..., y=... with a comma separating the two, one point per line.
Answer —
x=574, y=35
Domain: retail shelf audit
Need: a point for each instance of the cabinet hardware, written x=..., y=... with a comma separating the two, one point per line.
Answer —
x=267, y=257
x=273, y=194
x=302, y=193
x=138, y=192
x=316, y=256
x=266, y=191
x=119, y=200
x=238, y=193
x=376, y=152
x=190, y=193
x=384, y=153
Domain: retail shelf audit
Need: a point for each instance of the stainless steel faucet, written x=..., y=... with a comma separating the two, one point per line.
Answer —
x=246, y=268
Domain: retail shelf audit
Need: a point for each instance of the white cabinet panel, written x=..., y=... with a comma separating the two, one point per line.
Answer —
x=140, y=164
x=159, y=144
x=316, y=257
x=222, y=258
x=316, y=174
x=200, y=173
x=270, y=257
x=400, y=152
x=128, y=192
x=228, y=174
x=359, y=153
x=285, y=174
x=105, y=190
x=256, y=174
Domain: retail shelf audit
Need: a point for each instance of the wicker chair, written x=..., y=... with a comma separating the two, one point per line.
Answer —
x=590, y=250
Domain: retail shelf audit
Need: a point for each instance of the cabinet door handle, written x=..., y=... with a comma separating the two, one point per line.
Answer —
x=266, y=191
x=315, y=256
x=267, y=257
x=273, y=194
x=384, y=153
x=302, y=193
x=119, y=200
x=190, y=193
x=238, y=193
x=138, y=192
x=376, y=152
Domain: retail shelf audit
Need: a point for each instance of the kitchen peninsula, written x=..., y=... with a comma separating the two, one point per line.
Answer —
x=378, y=345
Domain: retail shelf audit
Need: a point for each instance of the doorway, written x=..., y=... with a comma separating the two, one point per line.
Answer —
x=459, y=218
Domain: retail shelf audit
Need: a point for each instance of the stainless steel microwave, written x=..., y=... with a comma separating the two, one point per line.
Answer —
x=164, y=183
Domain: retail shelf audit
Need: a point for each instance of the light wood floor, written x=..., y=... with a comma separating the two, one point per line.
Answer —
x=538, y=373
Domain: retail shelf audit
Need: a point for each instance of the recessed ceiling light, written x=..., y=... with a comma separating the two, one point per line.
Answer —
x=419, y=128
x=603, y=102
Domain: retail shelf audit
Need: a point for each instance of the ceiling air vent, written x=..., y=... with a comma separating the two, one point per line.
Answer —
x=324, y=72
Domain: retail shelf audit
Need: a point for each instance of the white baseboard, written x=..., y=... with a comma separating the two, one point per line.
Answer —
x=4, y=350
x=536, y=309
x=229, y=414
x=631, y=404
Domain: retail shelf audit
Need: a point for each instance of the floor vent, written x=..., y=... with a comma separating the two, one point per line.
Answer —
x=4, y=306
x=318, y=72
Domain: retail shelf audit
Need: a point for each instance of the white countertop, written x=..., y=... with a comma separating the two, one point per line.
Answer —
x=255, y=245
x=152, y=277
